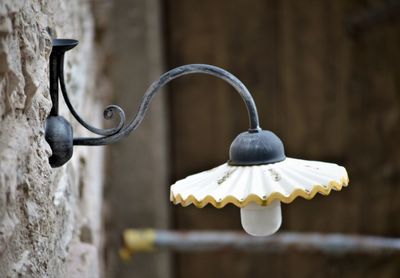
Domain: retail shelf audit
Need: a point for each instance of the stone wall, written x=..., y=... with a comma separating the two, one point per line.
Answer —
x=50, y=222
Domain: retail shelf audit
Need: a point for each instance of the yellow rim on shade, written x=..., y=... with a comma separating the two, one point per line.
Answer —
x=318, y=188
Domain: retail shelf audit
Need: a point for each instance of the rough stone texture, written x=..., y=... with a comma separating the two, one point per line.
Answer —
x=50, y=222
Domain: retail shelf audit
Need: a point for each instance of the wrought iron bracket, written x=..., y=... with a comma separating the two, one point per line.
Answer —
x=247, y=149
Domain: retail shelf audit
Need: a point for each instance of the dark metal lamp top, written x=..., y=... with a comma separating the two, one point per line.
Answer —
x=256, y=148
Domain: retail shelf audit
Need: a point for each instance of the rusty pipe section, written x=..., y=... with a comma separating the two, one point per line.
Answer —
x=150, y=240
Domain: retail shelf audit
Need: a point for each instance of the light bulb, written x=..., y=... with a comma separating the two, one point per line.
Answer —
x=261, y=220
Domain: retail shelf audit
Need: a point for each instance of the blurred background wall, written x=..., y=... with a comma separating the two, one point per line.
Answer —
x=325, y=76
x=136, y=192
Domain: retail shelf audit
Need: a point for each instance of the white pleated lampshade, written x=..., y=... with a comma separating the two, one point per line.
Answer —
x=240, y=185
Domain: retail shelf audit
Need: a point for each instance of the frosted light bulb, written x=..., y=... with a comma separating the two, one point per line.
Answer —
x=261, y=220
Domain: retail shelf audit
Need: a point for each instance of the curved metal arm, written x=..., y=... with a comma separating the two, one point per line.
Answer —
x=108, y=112
x=158, y=84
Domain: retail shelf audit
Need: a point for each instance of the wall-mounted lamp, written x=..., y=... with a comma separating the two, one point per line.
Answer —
x=257, y=177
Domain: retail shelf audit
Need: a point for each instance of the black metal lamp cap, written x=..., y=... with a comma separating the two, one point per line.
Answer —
x=256, y=148
x=63, y=45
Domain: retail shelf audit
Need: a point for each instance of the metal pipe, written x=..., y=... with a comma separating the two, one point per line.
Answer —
x=148, y=240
